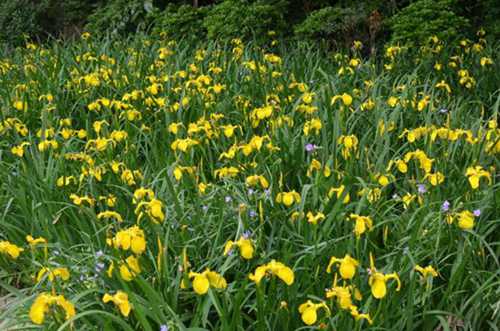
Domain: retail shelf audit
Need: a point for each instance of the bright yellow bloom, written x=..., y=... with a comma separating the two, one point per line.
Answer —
x=10, y=249
x=19, y=149
x=110, y=214
x=357, y=315
x=273, y=268
x=427, y=271
x=288, y=198
x=347, y=268
x=33, y=242
x=312, y=125
x=79, y=200
x=131, y=238
x=62, y=273
x=348, y=144
x=130, y=268
x=120, y=299
x=392, y=101
x=314, y=219
x=346, y=99
x=255, y=180
x=308, y=311
x=362, y=224
x=339, y=191
x=203, y=281
x=465, y=220
x=343, y=294
x=378, y=280
x=42, y=303
x=245, y=246
x=183, y=144
x=474, y=174
x=226, y=172
x=435, y=179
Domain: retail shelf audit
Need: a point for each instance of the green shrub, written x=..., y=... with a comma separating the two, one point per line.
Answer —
x=122, y=16
x=182, y=22
x=425, y=18
x=245, y=19
x=20, y=19
x=335, y=25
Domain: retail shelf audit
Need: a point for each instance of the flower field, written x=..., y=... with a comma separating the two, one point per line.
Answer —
x=154, y=185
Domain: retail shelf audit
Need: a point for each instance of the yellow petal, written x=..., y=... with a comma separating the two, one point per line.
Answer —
x=200, y=284
x=309, y=316
x=379, y=289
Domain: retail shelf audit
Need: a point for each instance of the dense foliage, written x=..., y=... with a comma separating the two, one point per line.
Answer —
x=334, y=22
x=148, y=184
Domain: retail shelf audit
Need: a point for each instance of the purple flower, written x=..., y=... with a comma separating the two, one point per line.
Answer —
x=477, y=212
x=310, y=148
x=205, y=208
x=443, y=110
x=252, y=213
x=445, y=206
x=251, y=191
x=163, y=327
x=421, y=188
x=247, y=234
x=228, y=199
x=99, y=267
x=99, y=253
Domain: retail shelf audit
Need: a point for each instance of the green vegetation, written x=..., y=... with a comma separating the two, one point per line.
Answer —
x=148, y=183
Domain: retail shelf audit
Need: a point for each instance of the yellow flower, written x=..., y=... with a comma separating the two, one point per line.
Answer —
x=19, y=149
x=155, y=210
x=42, y=304
x=383, y=180
x=20, y=105
x=62, y=273
x=273, y=268
x=110, y=214
x=288, y=198
x=120, y=299
x=443, y=85
x=465, y=220
x=378, y=280
x=474, y=174
x=245, y=246
x=435, y=179
x=229, y=130
x=357, y=315
x=183, y=144
x=308, y=311
x=10, y=249
x=131, y=238
x=226, y=172
x=427, y=271
x=392, y=101
x=343, y=294
x=203, y=281
x=312, y=125
x=347, y=268
x=362, y=224
x=485, y=61
x=314, y=219
x=339, y=191
x=33, y=242
x=346, y=99
x=254, y=180
x=130, y=268
x=349, y=144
